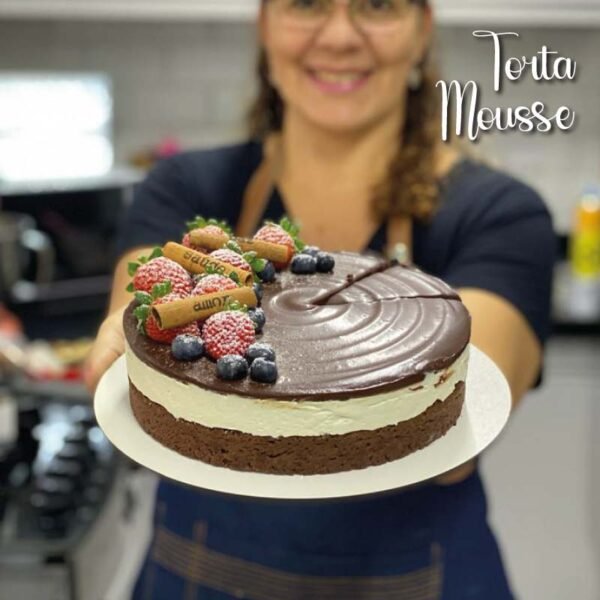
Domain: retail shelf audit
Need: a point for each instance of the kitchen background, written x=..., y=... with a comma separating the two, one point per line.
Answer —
x=184, y=70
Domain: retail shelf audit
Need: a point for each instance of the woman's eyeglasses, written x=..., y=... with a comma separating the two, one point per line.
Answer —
x=367, y=14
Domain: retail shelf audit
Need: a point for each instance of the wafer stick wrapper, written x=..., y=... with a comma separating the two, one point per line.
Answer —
x=195, y=308
x=277, y=253
x=196, y=262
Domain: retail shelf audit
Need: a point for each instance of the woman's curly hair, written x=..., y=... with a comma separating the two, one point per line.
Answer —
x=411, y=186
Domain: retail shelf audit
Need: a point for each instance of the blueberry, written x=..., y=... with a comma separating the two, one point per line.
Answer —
x=258, y=318
x=187, y=347
x=268, y=273
x=260, y=350
x=325, y=262
x=232, y=367
x=311, y=251
x=304, y=264
x=258, y=291
x=263, y=371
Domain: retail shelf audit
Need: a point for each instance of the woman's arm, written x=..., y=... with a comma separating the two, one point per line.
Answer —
x=110, y=343
x=501, y=331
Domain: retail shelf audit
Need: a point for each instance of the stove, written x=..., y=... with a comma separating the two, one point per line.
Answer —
x=64, y=504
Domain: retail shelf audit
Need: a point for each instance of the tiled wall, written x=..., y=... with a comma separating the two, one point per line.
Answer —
x=193, y=80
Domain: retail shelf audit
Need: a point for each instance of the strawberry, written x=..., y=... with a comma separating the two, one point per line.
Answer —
x=185, y=241
x=232, y=258
x=157, y=270
x=213, y=283
x=232, y=254
x=285, y=233
x=228, y=332
x=161, y=294
x=212, y=226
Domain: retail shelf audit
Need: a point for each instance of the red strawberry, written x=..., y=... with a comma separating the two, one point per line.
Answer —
x=275, y=234
x=159, y=270
x=232, y=258
x=216, y=231
x=228, y=332
x=151, y=328
x=213, y=283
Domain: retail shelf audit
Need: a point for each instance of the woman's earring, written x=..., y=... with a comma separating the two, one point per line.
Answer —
x=415, y=79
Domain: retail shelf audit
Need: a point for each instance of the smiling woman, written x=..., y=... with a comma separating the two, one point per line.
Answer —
x=378, y=73
x=346, y=139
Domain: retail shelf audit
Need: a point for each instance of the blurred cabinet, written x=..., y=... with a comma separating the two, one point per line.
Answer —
x=481, y=13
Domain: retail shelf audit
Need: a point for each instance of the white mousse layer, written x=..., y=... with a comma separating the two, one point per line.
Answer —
x=283, y=418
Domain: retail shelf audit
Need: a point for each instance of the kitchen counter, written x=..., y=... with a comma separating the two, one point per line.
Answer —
x=543, y=479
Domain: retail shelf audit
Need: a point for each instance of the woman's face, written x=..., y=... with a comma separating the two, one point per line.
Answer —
x=339, y=75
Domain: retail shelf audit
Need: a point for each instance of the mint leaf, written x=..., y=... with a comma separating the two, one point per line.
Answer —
x=132, y=268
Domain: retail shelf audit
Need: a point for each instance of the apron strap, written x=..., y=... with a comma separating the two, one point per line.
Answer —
x=259, y=190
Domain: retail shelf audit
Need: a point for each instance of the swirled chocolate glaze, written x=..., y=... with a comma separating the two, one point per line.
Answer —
x=366, y=328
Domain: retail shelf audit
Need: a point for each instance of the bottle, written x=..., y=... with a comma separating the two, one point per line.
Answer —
x=584, y=257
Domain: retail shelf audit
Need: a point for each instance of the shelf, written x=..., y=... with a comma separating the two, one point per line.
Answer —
x=131, y=10
x=528, y=13
x=117, y=178
x=478, y=13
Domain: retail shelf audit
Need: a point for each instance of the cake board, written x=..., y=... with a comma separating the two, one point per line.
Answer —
x=485, y=413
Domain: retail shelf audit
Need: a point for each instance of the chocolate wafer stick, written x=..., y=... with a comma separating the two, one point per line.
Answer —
x=194, y=308
x=197, y=262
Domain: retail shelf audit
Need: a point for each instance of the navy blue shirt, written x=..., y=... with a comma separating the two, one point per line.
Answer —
x=491, y=231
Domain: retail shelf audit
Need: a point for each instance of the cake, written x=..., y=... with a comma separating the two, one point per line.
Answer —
x=372, y=359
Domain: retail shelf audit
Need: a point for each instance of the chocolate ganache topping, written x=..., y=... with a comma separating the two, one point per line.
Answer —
x=368, y=327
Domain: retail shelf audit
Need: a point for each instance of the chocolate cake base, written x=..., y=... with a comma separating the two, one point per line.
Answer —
x=296, y=455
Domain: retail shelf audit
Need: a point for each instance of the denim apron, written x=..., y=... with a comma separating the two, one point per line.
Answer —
x=428, y=543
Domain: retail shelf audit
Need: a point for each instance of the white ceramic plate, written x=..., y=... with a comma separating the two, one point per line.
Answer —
x=485, y=412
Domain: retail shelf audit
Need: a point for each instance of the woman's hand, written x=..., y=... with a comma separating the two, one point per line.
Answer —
x=109, y=345
x=110, y=340
x=10, y=326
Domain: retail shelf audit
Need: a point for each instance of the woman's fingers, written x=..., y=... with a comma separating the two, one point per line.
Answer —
x=109, y=345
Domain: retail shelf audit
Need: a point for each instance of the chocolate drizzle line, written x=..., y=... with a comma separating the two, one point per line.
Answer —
x=351, y=279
